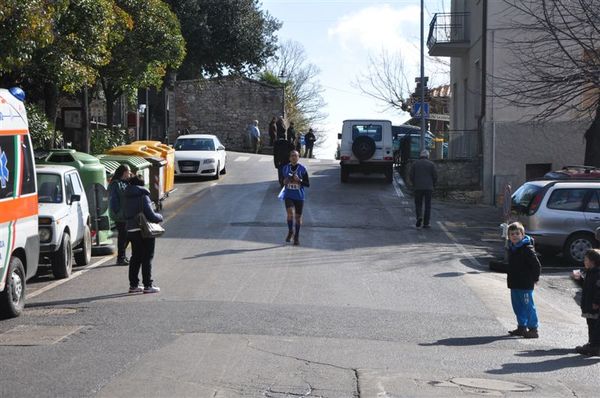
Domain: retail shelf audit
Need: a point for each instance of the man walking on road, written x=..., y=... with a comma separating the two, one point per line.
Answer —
x=295, y=180
x=309, y=142
x=423, y=177
x=254, y=136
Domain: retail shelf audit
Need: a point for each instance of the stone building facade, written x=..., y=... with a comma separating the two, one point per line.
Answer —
x=224, y=107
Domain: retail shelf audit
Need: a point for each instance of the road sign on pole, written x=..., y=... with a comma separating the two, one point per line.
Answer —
x=417, y=110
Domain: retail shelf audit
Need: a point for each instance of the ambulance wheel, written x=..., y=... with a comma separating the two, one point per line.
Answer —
x=62, y=260
x=12, y=299
x=84, y=255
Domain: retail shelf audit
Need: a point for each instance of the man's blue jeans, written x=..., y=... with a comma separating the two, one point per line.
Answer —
x=524, y=308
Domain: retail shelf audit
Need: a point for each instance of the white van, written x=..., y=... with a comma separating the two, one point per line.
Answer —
x=19, y=240
x=367, y=147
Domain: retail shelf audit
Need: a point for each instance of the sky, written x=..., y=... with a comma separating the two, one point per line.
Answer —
x=339, y=36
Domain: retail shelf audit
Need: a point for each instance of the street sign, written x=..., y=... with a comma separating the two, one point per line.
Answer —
x=439, y=116
x=417, y=109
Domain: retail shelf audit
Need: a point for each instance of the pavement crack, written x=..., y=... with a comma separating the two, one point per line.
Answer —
x=354, y=371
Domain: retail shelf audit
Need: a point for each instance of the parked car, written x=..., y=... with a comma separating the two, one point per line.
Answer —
x=561, y=215
x=64, y=219
x=366, y=147
x=200, y=155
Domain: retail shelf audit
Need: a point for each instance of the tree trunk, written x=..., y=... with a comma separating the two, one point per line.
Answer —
x=592, y=141
x=51, y=101
x=110, y=108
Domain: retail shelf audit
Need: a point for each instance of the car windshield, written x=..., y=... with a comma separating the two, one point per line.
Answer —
x=194, y=144
x=369, y=130
x=524, y=195
x=50, y=188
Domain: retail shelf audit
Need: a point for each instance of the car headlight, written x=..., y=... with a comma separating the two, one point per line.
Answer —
x=45, y=234
x=207, y=161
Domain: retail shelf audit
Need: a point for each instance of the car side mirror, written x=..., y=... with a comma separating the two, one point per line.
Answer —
x=221, y=148
x=75, y=198
x=339, y=136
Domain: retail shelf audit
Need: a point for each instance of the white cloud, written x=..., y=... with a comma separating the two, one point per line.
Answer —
x=380, y=27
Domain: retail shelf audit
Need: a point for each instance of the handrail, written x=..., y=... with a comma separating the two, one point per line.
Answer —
x=447, y=28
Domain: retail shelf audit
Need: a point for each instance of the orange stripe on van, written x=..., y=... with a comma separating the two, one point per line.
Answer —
x=14, y=132
x=18, y=208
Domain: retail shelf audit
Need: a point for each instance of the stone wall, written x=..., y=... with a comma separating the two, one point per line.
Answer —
x=223, y=107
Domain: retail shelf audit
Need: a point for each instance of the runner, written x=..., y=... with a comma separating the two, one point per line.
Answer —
x=295, y=180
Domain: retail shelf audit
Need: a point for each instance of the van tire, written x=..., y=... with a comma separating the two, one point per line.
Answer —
x=344, y=174
x=84, y=255
x=12, y=298
x=62, y=260
x=577, y=245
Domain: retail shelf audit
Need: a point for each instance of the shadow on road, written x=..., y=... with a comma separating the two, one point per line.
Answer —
x=467, y=341
x=455, y=274
x=231, y=251
x=81, y=300
x=549, y=365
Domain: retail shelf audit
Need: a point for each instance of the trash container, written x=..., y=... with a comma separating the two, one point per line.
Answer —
x=167, y=153
x=157, y=180
x=93, y=176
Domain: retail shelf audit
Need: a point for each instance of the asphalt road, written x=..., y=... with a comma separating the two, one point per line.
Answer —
x=366, y=306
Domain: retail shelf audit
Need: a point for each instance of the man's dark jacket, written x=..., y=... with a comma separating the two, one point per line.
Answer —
x=423, y=175
x=591, y=293
x=281, y=152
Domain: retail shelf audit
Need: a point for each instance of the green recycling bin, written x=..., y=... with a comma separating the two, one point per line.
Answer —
x=137, y=164
x=93, y=176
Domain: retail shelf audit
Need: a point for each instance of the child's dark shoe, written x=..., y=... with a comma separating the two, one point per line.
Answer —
x=590, y=350
x=519, y=331
x=531, y=334
x=580, y=349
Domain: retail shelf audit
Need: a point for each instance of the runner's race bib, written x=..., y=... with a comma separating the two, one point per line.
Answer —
x=293, y=186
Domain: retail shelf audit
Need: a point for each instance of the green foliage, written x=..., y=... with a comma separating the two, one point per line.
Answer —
x=225, y=35
x=105, y=139
x=25, y=27
x=270, y=78
x=41, y=130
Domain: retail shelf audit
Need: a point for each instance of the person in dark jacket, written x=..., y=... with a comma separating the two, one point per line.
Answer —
x=523, y=273
x=291, y=133
x=116, y=206
x=281, y=128
x=590, y=302
x=309, y=142
x=281, y=156
x=423, y=177
x=142, y=249
x=272, y=131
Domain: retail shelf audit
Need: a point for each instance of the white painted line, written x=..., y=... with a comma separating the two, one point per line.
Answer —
x=265, y=159
x=314, y=160
x=460, y=247
x=242, y=159
x=399, y=192
x=73, y=276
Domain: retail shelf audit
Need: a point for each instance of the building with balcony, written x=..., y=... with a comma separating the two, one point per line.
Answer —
x=511, y=146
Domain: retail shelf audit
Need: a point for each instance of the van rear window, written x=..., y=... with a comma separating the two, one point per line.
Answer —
x=369, y=130
x=7, y=166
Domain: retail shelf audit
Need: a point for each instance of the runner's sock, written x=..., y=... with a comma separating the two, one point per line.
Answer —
x=290, y=225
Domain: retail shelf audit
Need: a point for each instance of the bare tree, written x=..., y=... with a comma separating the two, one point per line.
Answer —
x=556, y=72
x=303, y=91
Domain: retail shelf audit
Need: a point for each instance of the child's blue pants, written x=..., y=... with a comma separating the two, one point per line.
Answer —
x=524, y=308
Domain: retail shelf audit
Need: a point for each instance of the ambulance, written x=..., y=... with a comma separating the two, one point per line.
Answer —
x=19, y=240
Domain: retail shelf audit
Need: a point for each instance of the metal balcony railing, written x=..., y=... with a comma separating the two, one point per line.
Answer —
x=448, y=28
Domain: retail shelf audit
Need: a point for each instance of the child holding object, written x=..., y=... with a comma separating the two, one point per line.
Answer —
x=590, y=302
x=523, y=273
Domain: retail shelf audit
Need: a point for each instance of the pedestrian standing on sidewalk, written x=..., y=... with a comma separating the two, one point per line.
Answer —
x=309, y=142
x=295, y=180
x=423, y=177
x=291, y=133
x=116, y=206
x=523, y=273
x=272, y=131
x=254, y=136
x=590, y=302
x=142, y=249
x=281, y=128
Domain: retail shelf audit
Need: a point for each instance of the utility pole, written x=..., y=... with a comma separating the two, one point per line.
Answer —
x=422, y=141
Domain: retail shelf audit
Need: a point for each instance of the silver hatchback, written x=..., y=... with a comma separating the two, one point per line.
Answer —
x=560, y=216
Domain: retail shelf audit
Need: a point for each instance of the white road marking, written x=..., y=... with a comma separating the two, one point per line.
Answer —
x=399, y=192
x=265, y=159
x=242, y=159
x=73, y=276
x=460, y=247
x=314, y=160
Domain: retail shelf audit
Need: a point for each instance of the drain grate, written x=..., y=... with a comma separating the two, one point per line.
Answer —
x=36, y=335
x=492, y=384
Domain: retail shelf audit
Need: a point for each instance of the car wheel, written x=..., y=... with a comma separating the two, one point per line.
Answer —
x=84, y=256
x=217, y=173
x=344, y=174
x=224, y=171
x=576, y=247
x=12, y=299
x=62, y=260
x=389, y=175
